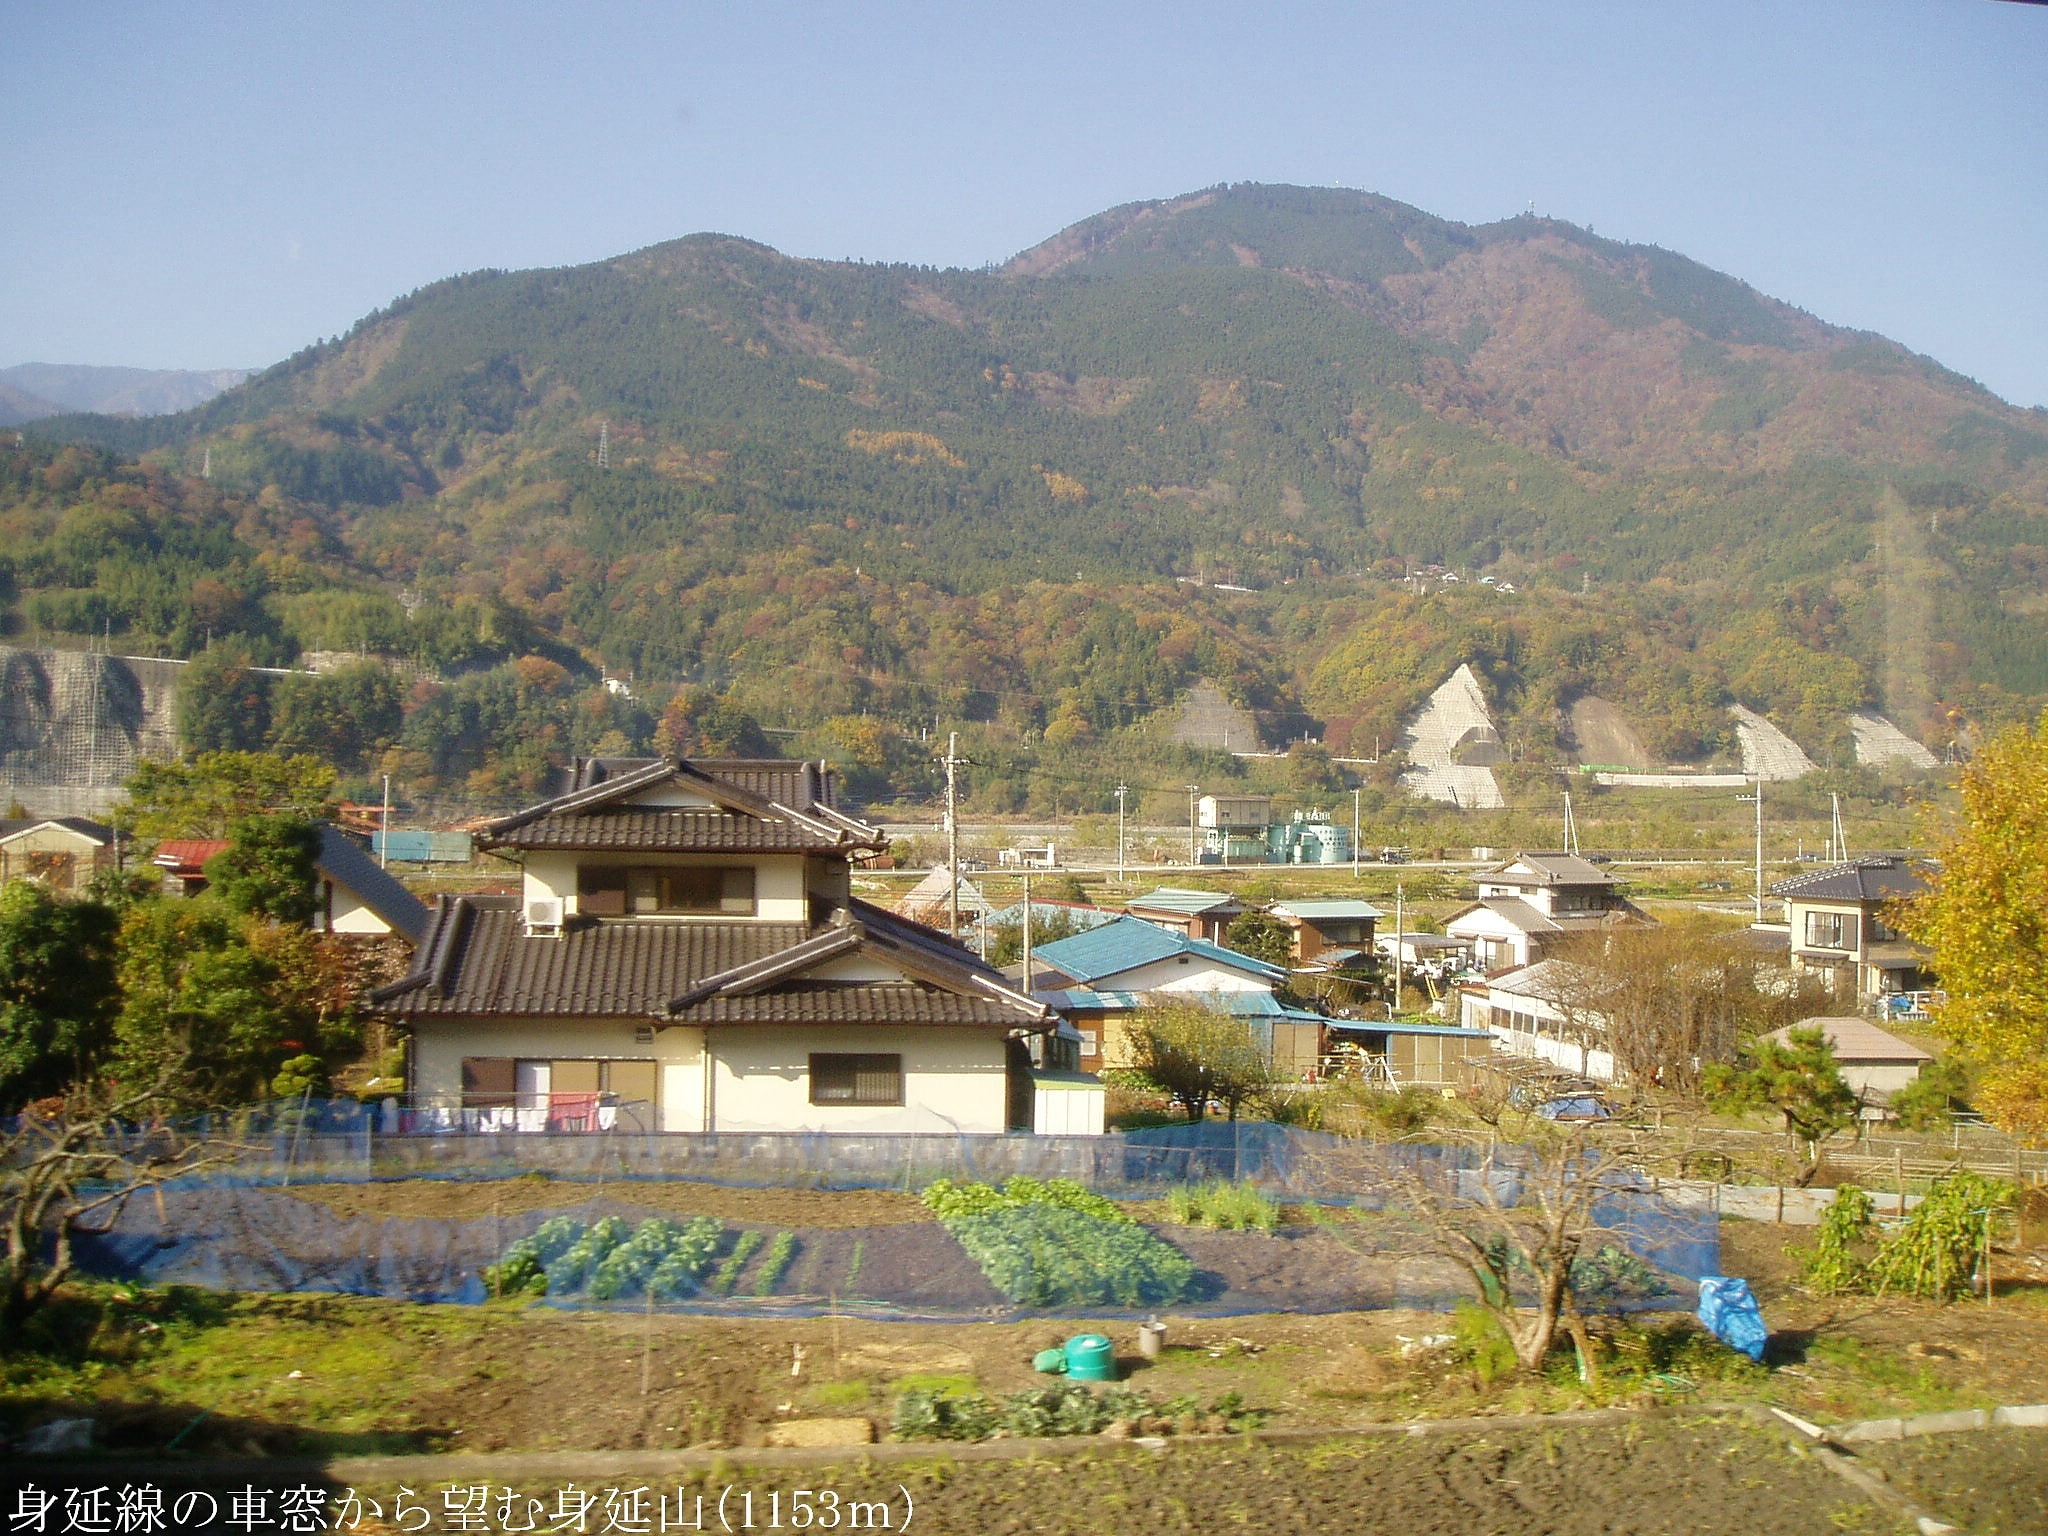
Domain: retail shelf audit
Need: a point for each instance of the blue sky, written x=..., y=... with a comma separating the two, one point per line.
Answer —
x=209, y=185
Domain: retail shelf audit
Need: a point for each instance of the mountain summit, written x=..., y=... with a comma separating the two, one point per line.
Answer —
x=1279, y=388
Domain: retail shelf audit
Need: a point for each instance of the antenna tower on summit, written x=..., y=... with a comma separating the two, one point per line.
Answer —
x=604, y=445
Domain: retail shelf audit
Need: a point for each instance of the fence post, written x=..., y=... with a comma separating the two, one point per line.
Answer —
x=1781, y=1205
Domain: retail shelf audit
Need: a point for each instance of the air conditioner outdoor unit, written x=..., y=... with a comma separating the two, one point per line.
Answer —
x=544, y=917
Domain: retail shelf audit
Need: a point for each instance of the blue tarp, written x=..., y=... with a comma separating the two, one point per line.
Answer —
x=1728, y=1311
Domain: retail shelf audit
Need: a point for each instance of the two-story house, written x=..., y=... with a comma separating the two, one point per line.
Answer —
x=686, y=946
x=1198, y=914
x=1838, y=929
x=1326, y=930
x=1529, y=904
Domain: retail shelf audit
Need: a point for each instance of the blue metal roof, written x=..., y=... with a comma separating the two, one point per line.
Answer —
x=1130, y=942
x=1171, y=898
x=1049, y=912
x=1087, y=998
x=1311, y=910
x=1367, y=1027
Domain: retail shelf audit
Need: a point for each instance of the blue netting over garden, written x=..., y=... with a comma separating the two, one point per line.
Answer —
x=276, y=1221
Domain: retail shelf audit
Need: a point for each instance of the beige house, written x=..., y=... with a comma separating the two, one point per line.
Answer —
x=62, y=852
x=1527, y=905
x=1839, y=932
x=1874, y=1062
x=1320, y=927
x=686, y=955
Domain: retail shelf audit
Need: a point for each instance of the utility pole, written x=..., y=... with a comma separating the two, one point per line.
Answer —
x=1354, y=834
x=384, y=828
x=1194, y=858
x=1400, y=943
x=1121, y=791
x=1571, y=827
x=953, y=761
x=1758, y=800
x=1839, y=832
x=1027, y=933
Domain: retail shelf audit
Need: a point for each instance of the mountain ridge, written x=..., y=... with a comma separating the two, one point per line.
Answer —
x=1306, y=391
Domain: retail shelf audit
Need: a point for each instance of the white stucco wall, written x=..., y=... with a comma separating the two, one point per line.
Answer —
x=1491, y=927
x=350, y=915
x=953, y=1079
x=438, y=1049
x=1169, y=975
x=779, y=894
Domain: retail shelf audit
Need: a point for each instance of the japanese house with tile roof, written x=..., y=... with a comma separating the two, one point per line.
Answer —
x=1532, y=902
x=686, y=952
x=1839, y=930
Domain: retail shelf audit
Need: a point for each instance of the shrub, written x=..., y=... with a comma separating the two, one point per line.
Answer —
x=1831, y=1266
x=1935, y=1250
x=1481, y=1343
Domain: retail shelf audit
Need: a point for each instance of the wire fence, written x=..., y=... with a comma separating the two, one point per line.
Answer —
x=284, y=1217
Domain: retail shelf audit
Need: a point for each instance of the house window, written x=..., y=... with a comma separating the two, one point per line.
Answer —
x=682, y=892
x=1830, y=930
x=856, y=1079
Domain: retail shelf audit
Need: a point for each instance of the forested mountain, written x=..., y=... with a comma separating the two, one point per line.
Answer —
x=50, y=389
x=991, y=495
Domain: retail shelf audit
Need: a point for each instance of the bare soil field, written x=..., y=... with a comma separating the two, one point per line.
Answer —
x=1645, y=1476
x=454, y=1199
x=1993, y=1483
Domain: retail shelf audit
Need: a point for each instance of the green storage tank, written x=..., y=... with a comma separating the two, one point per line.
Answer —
x=1090, y=1357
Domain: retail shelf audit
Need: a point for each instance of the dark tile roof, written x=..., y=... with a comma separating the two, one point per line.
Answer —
x=477, y=958
x=83, y=826
x=341, y=861
x=749, y=811
x=853, y=1003
x=669, y=831
x=1877, y=879
x=477, y=961
x=799, y=784
x=1550, y=869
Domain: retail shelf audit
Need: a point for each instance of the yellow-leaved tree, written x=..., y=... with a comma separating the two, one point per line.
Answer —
x=1985, y=915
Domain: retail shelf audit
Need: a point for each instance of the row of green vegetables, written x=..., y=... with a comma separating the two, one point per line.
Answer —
x=1053, y=1243
x=610, y=1259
